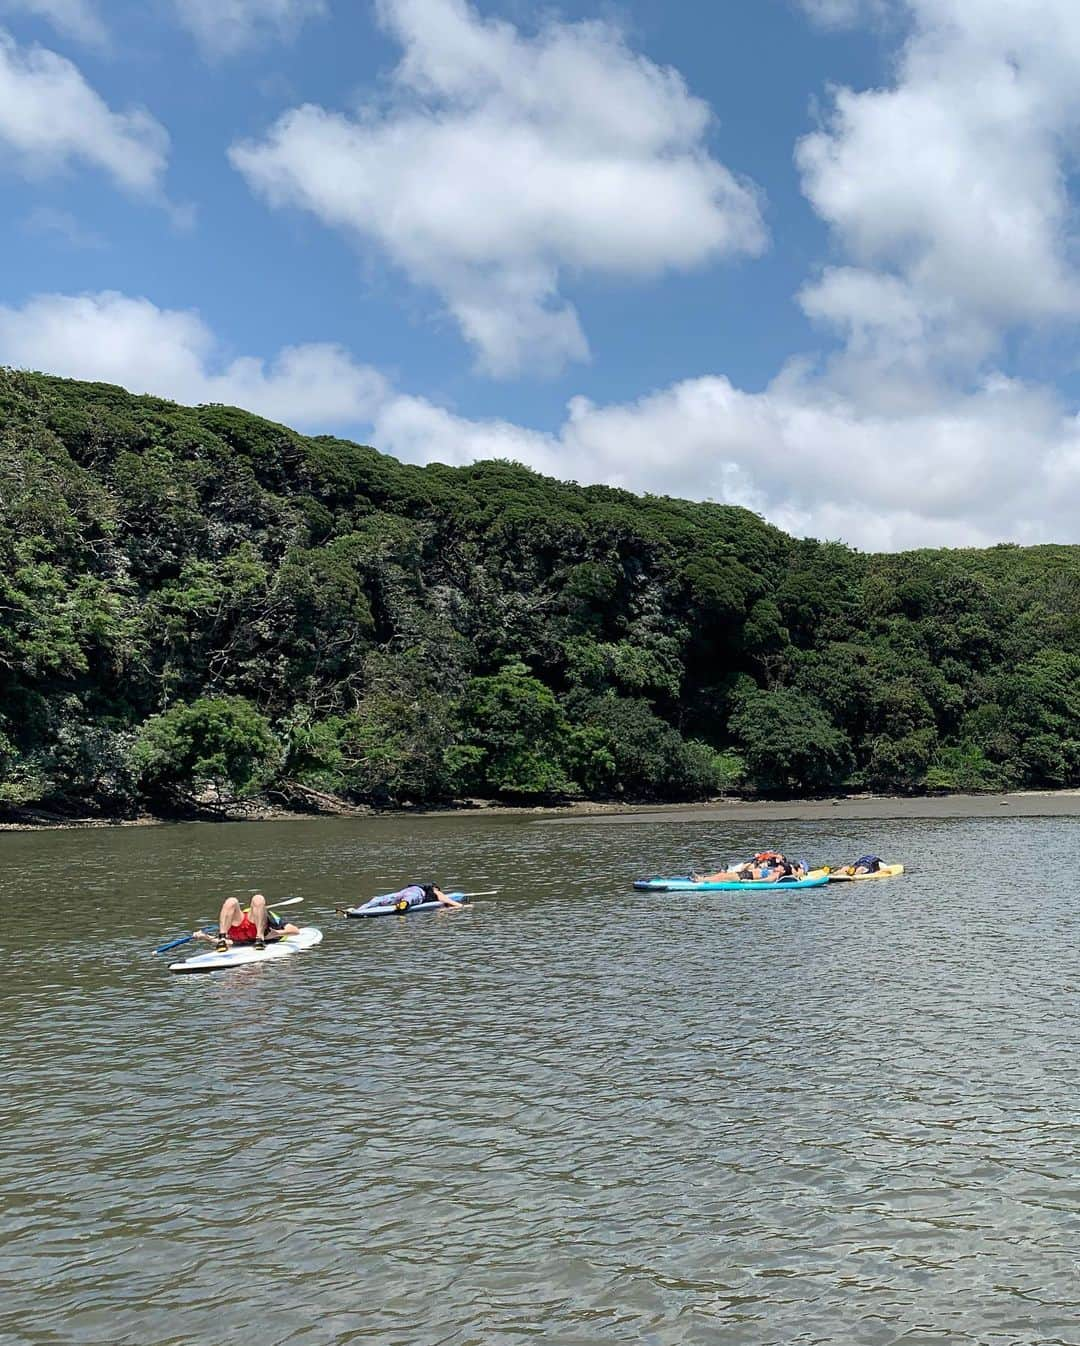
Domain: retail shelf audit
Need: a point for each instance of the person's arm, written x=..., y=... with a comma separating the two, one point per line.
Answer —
x=444, y=900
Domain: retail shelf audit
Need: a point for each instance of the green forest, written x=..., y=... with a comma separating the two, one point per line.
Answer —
x=200, y=606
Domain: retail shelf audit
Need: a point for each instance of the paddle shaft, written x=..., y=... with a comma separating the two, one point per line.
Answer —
x=490, y=892
x=184, y=939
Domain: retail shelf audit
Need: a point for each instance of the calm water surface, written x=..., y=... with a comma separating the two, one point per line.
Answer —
x=569, y=1115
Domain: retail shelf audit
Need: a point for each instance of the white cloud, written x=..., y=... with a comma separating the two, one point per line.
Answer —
x=224, y=27
x=72, y=18
x=50, y=116
x=115, y=339
x=903, y=350
x=507, y=163
x=954, y=179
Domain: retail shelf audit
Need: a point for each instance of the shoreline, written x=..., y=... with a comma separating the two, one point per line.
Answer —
x=1017, y=804
x=854, y=808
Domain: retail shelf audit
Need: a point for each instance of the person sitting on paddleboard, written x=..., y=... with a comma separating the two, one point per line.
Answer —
x=766, y=866
x=779, y=868
x=415, y=893
x=256, y=925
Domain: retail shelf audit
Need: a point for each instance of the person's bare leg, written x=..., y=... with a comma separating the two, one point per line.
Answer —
x=258, y=915
x=231, y=914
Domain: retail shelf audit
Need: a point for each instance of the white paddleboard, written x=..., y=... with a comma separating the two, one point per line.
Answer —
x=242, y=954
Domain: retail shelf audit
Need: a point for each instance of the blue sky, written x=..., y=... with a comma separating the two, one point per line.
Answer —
x=816, y=257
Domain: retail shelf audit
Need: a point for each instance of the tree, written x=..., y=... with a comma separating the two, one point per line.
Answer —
x=964, y=768
x=788, y=743
x=516, y=723
x=650, y=758
x=390, y=749
x=216, y=746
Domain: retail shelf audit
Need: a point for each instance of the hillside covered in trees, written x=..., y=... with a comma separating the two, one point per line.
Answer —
x=197, y=604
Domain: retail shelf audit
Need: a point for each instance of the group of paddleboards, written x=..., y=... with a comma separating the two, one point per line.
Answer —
x=258, y=934
x=770, y=871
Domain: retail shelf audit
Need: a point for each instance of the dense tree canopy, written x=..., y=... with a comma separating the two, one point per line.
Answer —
x=196, y=604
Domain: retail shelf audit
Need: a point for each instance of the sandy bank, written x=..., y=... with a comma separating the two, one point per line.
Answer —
x=1023, y=804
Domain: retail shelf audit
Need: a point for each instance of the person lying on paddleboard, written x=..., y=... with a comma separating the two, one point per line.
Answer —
x=415, y=893
x=743, y=873
x=865, y=864
x=255, y=925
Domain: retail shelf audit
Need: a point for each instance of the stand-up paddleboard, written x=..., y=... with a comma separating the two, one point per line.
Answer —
x=240, y=955
x=885, y=872
x=382, y=906
x=683, y=884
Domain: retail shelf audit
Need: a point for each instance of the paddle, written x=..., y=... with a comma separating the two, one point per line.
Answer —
x=184, y=939
x=212, y=929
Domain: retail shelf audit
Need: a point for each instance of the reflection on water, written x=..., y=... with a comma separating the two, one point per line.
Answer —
x=571, y=1114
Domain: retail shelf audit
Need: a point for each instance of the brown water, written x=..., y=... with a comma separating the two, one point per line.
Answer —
x=569, y=1115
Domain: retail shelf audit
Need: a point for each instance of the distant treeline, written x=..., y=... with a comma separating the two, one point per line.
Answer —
x=197, y=605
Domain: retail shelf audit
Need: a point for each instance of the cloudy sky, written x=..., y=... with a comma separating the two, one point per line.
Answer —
x=817, y=257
